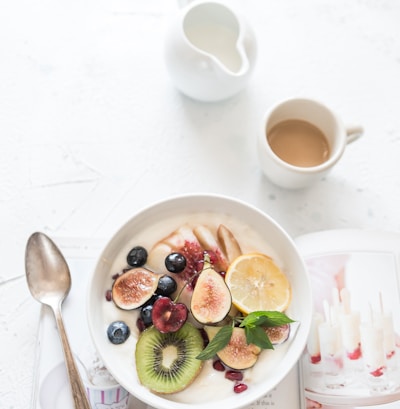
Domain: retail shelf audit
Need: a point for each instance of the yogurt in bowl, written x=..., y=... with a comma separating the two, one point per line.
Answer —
x=256, y=232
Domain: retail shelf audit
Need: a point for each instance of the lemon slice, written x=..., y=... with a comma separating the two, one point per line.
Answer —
x=258, y=284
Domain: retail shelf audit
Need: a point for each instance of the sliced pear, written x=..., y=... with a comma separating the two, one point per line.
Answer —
x=156, y=257
x=209, y=243
x=228, y=242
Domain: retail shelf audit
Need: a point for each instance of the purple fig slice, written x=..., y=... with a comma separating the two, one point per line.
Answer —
x=211, y=299
x=238, y=354
x=133, y=288
x=278, y=335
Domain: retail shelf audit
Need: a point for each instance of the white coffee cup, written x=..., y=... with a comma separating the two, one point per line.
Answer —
x=306, y=141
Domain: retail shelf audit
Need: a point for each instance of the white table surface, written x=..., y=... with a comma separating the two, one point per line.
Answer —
x=92, y=130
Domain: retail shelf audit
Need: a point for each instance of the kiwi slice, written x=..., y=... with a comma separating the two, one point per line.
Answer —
x=166, y=363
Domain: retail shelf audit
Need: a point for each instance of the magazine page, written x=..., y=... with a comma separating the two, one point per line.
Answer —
x=352, y=358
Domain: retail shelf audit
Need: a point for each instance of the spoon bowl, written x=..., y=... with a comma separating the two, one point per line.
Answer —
x=49, y=282
x=47, y=272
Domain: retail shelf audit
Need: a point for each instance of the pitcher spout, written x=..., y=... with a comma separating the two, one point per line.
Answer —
x=213, y=29
x=215, y=54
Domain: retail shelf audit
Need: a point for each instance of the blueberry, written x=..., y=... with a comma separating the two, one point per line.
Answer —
x=175, y=262
x=118, y=332
x=145, y=315
x=166, y=285
x=152, y=300
x=137, y=257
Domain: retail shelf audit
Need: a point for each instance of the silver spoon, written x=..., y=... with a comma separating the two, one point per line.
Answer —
x=49, y=282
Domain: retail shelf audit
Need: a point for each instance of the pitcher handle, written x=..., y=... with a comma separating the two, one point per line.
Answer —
x=353, y=132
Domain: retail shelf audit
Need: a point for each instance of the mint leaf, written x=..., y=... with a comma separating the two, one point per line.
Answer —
x=258, y=336
x=265, y=319
x=220, y=341
x=254, y=325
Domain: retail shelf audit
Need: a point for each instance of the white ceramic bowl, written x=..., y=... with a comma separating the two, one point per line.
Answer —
x=210, y=391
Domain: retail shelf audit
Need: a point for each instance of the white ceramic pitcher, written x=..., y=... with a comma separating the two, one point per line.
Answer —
x=210, y=51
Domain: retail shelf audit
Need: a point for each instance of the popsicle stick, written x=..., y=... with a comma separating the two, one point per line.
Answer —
x=345, y=297
x=381, y=302
x=371, y=314
x=327, y=312
x=335, y=297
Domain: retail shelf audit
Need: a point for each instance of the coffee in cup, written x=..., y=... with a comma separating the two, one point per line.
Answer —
x=301, y=140
x=299, y=143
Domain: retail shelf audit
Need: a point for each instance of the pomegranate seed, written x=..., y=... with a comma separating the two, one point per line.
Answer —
x=140, y=325
x=108, y=295
x=194, y=281
x=234, y=375
x=218, y=366
x=222, y=274
x=198, y=265
x=213, y=256
x=239, y=387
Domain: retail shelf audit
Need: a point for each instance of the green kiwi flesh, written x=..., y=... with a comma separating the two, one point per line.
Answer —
x=166, y=362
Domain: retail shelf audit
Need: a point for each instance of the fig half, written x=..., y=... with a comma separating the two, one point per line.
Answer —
x=211, y=299
x=278, y=335
x=134, y=287
x=238, y=354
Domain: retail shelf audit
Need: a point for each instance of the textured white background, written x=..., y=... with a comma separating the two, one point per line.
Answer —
x=92, y=130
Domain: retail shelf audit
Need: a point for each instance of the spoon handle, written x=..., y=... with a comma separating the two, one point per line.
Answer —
x=77, y=387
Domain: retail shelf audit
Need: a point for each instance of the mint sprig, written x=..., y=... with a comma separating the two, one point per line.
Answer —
x=254, y=325
x=258, y=336
x=264, y=319
x=220, y=341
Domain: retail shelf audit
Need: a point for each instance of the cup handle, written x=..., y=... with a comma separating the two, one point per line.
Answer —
x=353, y=133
